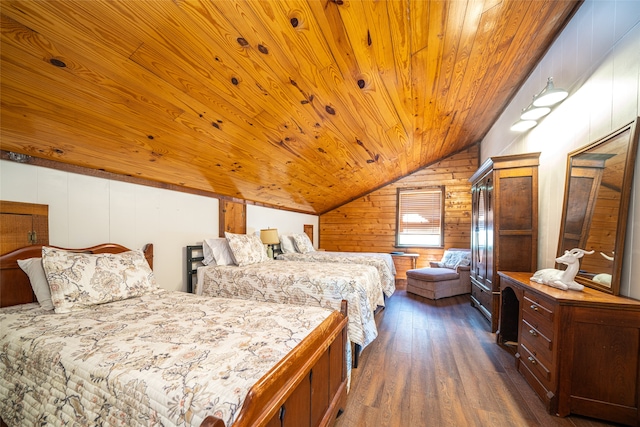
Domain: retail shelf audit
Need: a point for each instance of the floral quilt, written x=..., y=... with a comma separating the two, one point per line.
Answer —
x=161, y=359
x=382, y=262
x=303, y=283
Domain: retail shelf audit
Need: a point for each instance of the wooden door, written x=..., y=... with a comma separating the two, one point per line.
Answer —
x=308, y=230
x=23, y=224
x=233, y=217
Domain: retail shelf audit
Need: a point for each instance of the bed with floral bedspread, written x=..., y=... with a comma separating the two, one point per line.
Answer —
x=164, y=358
x=382, y=262
x=302, y=283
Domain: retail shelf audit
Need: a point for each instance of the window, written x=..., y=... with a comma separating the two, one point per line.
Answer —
x=420, y=220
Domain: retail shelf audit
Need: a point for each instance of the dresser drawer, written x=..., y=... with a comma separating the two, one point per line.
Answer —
x=539, y=308
x=547, y=396
x=539, y=325
x=537, y=343
x=537, y=366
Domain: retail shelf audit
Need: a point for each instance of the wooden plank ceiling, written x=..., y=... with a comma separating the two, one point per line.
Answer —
x=299, y=104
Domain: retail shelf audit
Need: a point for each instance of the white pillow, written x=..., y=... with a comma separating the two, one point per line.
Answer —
x=303, y=243
x=453, y=259
x=207, y=252
x=81, y=280
x=246, y=248
x=286, y=244
x=35, y=271
x=465, y=260
x=217, y=251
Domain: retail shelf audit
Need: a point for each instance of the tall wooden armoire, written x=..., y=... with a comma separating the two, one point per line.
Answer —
x=504, y=226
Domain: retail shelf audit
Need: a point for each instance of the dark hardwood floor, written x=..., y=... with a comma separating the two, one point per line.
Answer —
x=435, y=363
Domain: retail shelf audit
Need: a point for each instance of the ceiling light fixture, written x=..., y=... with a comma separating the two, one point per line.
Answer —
x=540, y=107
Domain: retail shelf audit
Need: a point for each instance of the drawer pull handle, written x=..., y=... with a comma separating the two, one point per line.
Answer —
x=532, y=360
x=534, y=307
x=532, y=332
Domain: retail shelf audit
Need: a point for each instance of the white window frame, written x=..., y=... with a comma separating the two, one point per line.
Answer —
x=415, y=208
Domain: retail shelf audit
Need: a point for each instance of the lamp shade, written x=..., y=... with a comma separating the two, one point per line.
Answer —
x=269, y=236
x=534, y=113
x=523, y=125
x=549, y=95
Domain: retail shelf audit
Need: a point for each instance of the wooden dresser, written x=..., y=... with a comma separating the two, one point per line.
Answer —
x=579, y=350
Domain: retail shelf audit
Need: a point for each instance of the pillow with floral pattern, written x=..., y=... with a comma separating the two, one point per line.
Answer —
x=247, y=249
x=81, y=280
x=303, y=243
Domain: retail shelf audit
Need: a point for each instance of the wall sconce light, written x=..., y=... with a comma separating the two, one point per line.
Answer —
x=523, y=125
x=534, y=113
x=539, y=107
x=549, y=96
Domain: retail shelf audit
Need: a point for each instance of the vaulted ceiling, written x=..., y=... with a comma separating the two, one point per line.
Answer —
x=299, y=104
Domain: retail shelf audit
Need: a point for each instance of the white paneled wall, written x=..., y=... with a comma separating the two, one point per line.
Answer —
x=85, y=211
x=597, y=58
x=260, y=217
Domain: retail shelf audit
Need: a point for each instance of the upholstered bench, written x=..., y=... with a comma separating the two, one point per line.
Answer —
x=446, y=278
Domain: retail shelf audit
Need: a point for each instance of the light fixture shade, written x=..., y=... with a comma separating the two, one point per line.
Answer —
x=269, y=236
x=549, y=95
x=523, y=125
x=534, y=113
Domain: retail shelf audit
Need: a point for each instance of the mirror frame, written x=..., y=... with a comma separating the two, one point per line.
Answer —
x=625, y=196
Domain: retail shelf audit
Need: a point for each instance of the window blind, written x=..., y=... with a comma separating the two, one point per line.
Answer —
x=420, y=217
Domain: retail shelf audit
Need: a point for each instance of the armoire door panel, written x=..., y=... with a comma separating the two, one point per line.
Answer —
x=516, y=211
x=510, y=252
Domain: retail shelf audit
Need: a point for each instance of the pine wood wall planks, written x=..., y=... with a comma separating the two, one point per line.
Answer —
x=296, y=104
x=368, y=223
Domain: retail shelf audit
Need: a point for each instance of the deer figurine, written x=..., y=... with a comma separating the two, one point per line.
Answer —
x=563, y=279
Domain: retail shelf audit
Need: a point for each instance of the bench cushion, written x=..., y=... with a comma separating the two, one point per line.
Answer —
x=433, y=274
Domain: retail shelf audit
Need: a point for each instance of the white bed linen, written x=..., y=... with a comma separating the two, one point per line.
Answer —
x=382, y=262
x=167, y=358
x=302, y=283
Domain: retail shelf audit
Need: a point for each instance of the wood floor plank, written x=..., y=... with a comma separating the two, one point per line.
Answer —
x=395, y=407
x=435, y=363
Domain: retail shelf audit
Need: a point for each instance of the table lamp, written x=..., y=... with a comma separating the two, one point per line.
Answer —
x=270, y=237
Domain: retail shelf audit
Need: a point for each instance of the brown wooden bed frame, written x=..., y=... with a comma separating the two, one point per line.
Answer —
x=308, y=387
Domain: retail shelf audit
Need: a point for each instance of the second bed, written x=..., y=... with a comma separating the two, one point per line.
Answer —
x=299, y=283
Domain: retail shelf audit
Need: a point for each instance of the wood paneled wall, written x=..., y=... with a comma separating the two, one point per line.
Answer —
x=368, y=223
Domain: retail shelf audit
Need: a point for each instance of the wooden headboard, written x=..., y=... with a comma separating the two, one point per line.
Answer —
x=14, y=283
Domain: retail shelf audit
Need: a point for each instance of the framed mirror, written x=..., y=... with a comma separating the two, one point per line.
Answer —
x=596, y=206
